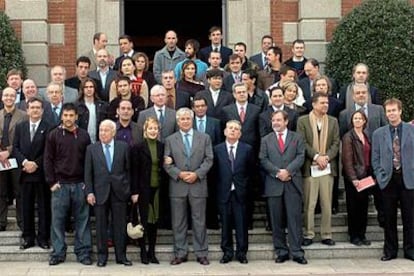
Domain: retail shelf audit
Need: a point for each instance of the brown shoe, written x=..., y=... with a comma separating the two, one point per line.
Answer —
x=177, y=260
x=203, y=261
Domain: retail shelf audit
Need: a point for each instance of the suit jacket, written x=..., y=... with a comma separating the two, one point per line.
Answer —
x=228, y=82
x=200, y=162
x=373, y=92
x=99, y=180
x=376, y=119
x=265, y=120
x=182, y=99
x=382, y=155
x=240, y=177
x=70, y=95
x=104, y=92
x=332, y=143
x=212, y=128
x=304, y=84
x=49, y=116
x=23, y=148
x=224, y=98
x=334, y=106
x=17, y=117
x=167, y=129
x=250, y=126
x=225, y=52
x=272, y=159
x=92, y=57
x=258, y=59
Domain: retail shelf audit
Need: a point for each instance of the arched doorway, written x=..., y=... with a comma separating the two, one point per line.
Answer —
x=190, y=19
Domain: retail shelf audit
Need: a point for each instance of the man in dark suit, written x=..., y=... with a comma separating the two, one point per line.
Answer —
x=277, y=99
x=126, y=45
x=103, y=74
x=235, y=76
x=212, y=127
x=321, y=136
x=233, y=161
x=108, y=185
x=52, y=109
x=164, y=114
x=189, y=157
x=217, y=97
x=216, y=36
x=28, y=147
x=10, y=116
x=248, y=115
x=393, y=165
x=175, y=98
x=282, y=162
x=260, y=58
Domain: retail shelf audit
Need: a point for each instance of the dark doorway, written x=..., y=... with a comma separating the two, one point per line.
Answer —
x=189, y=18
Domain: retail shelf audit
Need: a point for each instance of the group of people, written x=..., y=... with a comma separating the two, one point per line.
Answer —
x=193, y=143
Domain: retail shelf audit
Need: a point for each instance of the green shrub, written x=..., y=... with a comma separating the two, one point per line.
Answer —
x=379, y=33
x=11, y=54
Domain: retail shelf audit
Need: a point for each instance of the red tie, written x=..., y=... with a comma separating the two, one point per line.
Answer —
x=242, y=114
x=281, y=143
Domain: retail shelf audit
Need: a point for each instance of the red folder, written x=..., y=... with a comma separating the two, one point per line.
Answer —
x=365, y=183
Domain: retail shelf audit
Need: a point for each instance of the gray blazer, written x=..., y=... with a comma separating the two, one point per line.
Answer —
x=382, y=155
x=272, y=160
x=201, y=161
x=163, y=61
x=376, y=119
x=167, y=129
x=70, y=95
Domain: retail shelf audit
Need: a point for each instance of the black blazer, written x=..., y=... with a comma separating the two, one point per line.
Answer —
x=225, y=52
x=99, y=180
x=104, y=92
x=243, y=164
x=250, y=126
x=225, y=98
x=138, y=105
x=23, y=148
x=49, y=116
x=212, y=128
x=141, y=163
x=265, y=120
x=101, y=111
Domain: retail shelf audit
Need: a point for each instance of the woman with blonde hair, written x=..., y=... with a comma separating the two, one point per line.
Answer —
x=290, y=90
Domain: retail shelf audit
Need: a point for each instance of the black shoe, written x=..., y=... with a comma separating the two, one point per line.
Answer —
x=226, y=259
x=281, y=259
x=125, y=262
x=365, y=242
x=86, y=261
x=356, y=242
x=409, y=257
x=178, y=260
x=144, y=257
x=329, y=242
x=242, y=259
x=300, y=260
x=26, y=244
x=386, y=258
x=101, y=263
x=55, y=261
x=203, y=261
x=44, y=245
x=307, y=242
x=152, y=258
x=2, y=228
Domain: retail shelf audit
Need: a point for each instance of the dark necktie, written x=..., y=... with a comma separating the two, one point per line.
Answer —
x=187, y=145
x=161, y=116
x=280, y=141
x=397, y=150
x=108, y=157
x=56, y=115
x=5, y=138
x=231, y=158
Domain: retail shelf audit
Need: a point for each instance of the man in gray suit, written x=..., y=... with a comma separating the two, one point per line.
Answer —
x=393, y=165
x=58, y=75
x=165, y=115
x=107, y=181
x=282, y=162
x=188, y=158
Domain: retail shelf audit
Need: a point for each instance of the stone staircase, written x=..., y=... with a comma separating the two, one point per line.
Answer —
x=260, y=241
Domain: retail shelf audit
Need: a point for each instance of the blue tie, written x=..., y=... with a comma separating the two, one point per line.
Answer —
x=201, y=127
x=108, y=157
x=161, y=117
x=187, y=145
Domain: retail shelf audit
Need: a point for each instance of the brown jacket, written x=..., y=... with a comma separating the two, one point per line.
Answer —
x=353, y=163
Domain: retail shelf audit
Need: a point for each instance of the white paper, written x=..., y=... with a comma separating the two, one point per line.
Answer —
x=316, y=172
x=13, y=165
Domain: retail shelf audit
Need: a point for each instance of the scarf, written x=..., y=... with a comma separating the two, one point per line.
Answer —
x=319, y=139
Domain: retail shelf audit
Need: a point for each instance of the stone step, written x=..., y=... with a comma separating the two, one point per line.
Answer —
x=259, y=235
x=260, y=251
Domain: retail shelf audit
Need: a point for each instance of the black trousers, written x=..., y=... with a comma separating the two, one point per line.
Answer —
x=393, y=194
x=357, y=208
x=9, y=190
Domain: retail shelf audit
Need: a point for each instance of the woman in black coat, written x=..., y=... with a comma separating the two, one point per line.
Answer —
x=148, y=186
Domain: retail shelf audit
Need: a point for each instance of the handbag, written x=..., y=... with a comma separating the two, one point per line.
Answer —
x=135, y=230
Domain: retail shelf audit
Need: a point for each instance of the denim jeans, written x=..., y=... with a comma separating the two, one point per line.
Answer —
x=70, y=195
